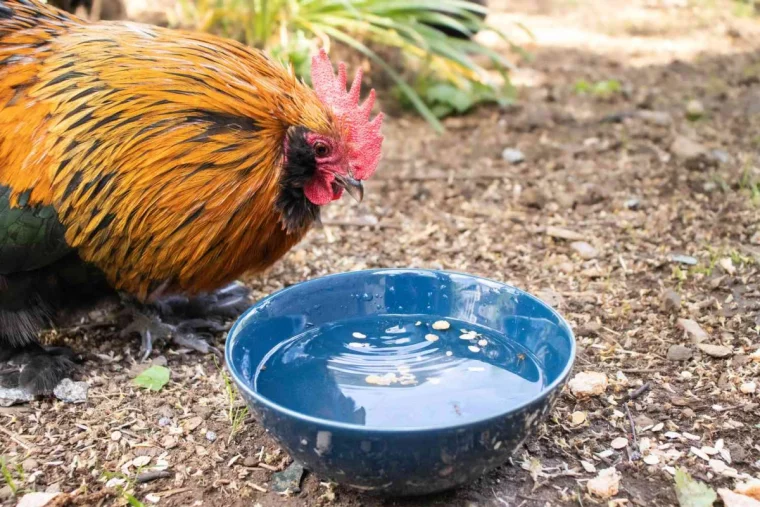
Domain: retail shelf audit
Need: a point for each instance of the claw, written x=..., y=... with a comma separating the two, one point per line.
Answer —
x=146, y=346
x=195, y=343
x=188, y=321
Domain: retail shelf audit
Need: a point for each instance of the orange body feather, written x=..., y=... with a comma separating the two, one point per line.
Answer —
x=161, y=151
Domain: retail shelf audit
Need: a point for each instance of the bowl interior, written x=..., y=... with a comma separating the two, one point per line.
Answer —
x=484, y=303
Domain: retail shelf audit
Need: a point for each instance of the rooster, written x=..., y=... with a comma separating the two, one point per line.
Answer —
x=157, y=165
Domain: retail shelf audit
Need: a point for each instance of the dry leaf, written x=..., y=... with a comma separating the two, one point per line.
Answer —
x=36, y=499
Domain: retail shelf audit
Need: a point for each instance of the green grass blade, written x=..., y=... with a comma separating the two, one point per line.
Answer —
x=412, y=95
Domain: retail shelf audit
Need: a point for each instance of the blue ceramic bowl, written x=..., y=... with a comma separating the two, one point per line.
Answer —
x=399, y=461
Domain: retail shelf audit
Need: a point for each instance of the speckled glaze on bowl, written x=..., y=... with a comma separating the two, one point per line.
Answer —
x=401, y=461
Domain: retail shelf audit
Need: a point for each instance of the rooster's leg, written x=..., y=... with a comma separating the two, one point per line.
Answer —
x=33, y=300
x=35, y=369
x=188, y=322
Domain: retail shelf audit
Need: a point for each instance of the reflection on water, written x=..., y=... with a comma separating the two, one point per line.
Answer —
x=388, y=371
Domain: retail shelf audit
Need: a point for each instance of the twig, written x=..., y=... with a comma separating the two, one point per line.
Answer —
x=152, y=476
x=172, y=492
x=638, y=392
x=733, y=407
x=642, y=370
x=446, y=176
x=580, y=497
x=360, y=223
x=20, y=441
x=268, y=467
x=258, y=488
x=633, y=433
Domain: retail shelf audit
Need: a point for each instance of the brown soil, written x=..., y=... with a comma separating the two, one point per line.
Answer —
x=595, y=166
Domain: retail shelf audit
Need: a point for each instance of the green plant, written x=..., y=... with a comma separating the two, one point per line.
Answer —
x=603, y=89
x=7, y=476
x=124, y=490
x=235, y=413
x=444, y=98
x=749, y=182
x=289, y=28
x=746, y=8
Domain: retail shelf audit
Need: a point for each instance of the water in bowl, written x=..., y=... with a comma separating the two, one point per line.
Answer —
x=399, y=371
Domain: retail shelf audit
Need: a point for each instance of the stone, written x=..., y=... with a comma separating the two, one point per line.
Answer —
x=687, y=149
x=671, y=301
x=69, y=391
x=695, y=110
x=289, y=479
x=660, y=118
x=533, y=198
x=560, y=233
x=693, y=330
x=513, y=155
x=718, y=351
x=588, y=383
x=679, y=353
x=29, y=465
x=584, y=250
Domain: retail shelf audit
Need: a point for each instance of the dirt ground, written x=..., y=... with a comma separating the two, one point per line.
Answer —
x=667, y=165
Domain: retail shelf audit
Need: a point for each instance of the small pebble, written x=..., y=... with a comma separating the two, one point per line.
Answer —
x=694, y=330
x=748, y=387
x=588, y=383
x=513, y=155
x=578, y=418
x=619, y=443
x=687, y=149
x=164, y=421
x=431, y=337
x=584, y=250
x=359, y=336
x=684, y=259
x=651, y=459
x=449, y=353
x=719, y=351
x=474, y=348
x=29, y=465
x=671, y=301
x=211, y=436
x=116, y=436
x=679, y=353
x=482, y=343
x=250, y=461
x=695, y=110
x=69, y=391
x=659, y=118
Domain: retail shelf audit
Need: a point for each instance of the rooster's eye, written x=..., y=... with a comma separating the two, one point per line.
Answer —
x=321, y=149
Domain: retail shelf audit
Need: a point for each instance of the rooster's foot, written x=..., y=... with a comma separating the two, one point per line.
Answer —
x=192, y=334
x=35, y=369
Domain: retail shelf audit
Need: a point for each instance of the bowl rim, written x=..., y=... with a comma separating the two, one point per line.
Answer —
x=329, y=424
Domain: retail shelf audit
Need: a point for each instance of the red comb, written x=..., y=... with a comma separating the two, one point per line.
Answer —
x=364, y=138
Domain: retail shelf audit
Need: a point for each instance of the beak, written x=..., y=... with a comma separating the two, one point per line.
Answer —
x=353, y=186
